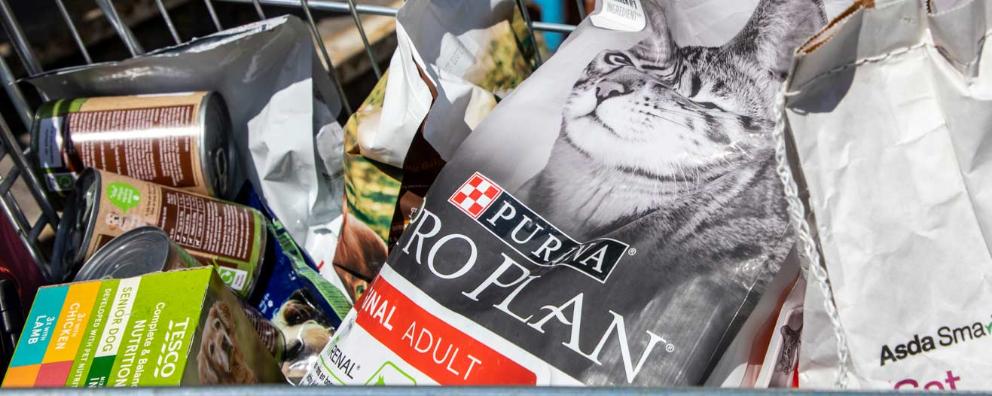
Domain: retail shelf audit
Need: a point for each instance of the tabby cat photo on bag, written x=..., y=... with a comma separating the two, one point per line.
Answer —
x=673, y=148
x=612, y=222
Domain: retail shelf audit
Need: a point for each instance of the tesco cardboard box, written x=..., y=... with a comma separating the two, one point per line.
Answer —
x=162, y=329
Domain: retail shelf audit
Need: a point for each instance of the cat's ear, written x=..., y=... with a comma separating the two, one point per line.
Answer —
x=659, y=43
x=775, y=30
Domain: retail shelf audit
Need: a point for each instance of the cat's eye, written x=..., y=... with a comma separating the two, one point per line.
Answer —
x=618, y=59
x=708, y=105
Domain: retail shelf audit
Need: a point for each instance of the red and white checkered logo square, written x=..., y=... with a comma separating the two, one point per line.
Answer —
x=475, y=195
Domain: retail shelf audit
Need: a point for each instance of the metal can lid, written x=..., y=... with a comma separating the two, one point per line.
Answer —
x=217, y=151
x=137, y=252
x=77, y=224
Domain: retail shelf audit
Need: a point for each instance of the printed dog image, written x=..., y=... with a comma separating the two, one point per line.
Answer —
x=360, y=255
x=122, y=222
x=306, y=332
x=789, y=356
x=220, y=359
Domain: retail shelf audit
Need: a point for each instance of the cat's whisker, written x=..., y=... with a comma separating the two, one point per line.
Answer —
x=685, y=177
x=590, y=215
x=587, y=201
x=698, y=174
x=715, y=114
x=661, y=117
x=602, y=199
x=736, y=146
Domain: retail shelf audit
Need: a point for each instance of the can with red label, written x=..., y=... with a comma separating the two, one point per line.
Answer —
x=103, y=206
x=178, y=140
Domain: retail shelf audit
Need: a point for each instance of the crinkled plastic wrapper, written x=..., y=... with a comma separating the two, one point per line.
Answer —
x=454, y=60
x=276, y=108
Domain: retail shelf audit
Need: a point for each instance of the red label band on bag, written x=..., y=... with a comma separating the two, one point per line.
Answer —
x=437, y=349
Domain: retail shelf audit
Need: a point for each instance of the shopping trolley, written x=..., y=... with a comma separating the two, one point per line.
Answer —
x=18, y=209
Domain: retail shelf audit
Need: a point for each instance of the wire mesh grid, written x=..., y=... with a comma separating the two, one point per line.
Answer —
x=11, y=152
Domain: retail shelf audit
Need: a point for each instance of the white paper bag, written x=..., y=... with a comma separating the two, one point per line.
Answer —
x=889, y=114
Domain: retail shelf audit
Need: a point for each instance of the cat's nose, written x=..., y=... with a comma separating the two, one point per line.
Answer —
x=610, y=89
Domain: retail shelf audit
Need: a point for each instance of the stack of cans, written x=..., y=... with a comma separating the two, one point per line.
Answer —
x=140, y=180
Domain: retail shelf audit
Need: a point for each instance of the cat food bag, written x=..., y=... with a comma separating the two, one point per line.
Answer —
x=890, y=134
x=612, y=222
x=172, y=328
x=454, y=60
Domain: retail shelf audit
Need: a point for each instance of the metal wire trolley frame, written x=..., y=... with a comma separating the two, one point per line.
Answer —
x=28, y=229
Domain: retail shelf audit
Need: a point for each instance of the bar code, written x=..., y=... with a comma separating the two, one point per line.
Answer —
x=622, y=8
x=49, y=153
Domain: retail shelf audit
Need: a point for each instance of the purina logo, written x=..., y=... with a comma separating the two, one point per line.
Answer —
x=477, y=194
x=530, y=234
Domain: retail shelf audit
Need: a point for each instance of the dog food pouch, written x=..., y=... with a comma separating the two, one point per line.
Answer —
x=453, y=61
x=612, y=222
x=296, y=306
x=890, y=134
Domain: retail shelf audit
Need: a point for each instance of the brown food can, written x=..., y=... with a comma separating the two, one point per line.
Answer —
x=178, y=140
x=140, y=251
x=103, y=206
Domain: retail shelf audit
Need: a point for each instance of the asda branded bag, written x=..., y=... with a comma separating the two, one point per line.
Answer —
x=613, y=221
x=889, y=114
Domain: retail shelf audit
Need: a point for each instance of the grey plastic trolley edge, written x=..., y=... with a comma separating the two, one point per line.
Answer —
x=29, y=230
